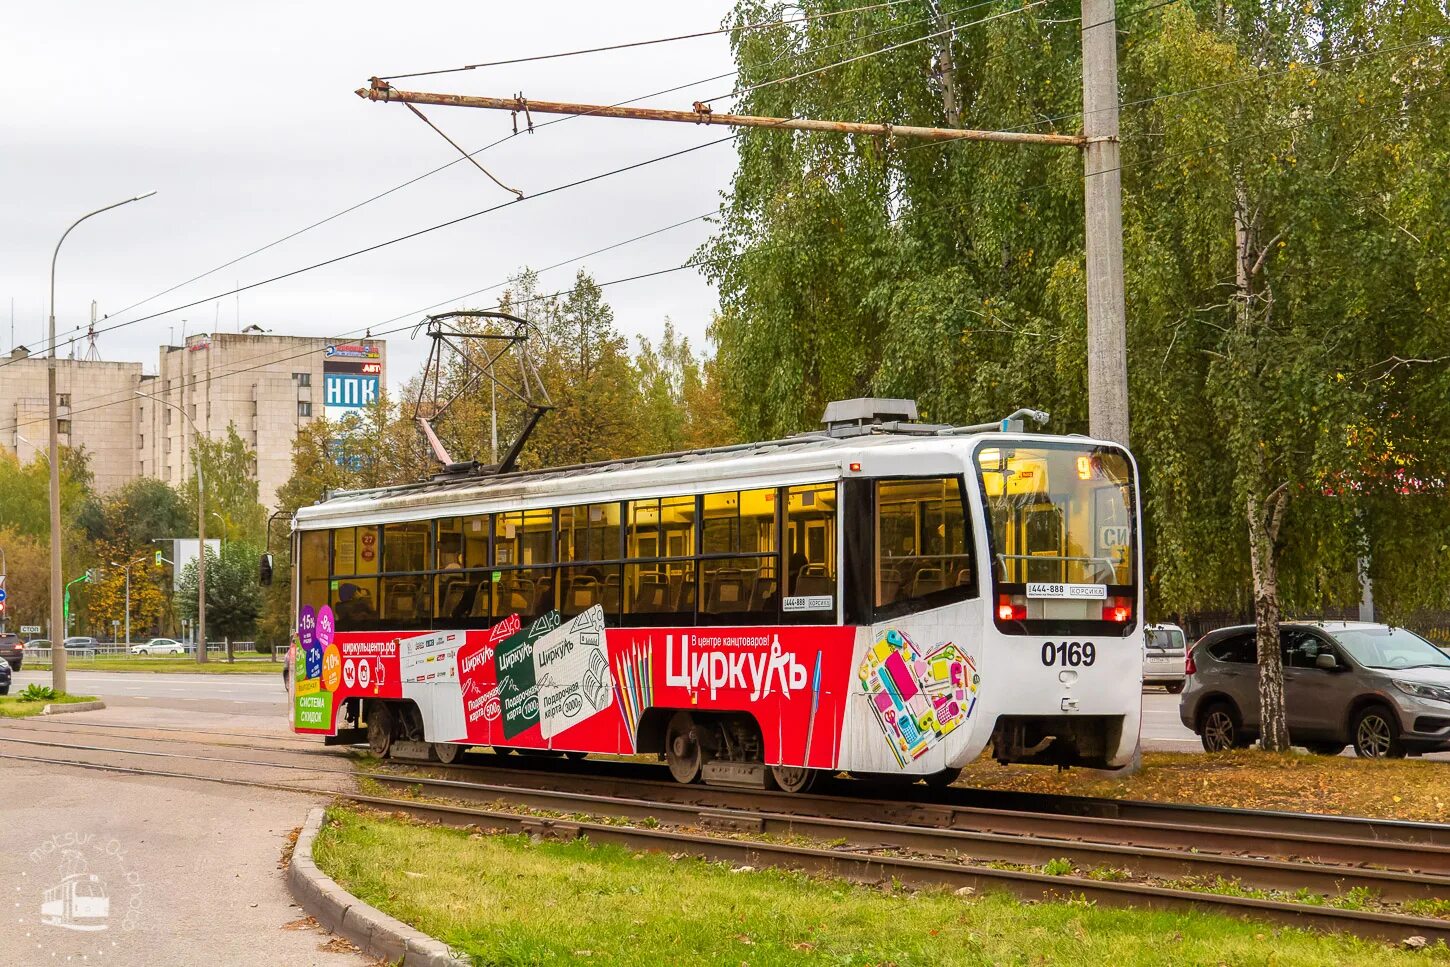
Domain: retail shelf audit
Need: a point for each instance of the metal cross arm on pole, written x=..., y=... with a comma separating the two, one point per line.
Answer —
x=380, y=90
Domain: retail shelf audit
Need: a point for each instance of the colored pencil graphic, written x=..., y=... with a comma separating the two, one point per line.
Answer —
x=815, y=704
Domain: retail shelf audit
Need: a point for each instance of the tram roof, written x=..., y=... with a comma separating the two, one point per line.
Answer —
x=794, y=461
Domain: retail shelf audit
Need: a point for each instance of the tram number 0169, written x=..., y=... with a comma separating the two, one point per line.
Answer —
x=1069, y=654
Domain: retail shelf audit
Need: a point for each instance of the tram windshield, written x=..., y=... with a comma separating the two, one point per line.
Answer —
x=1062, y=536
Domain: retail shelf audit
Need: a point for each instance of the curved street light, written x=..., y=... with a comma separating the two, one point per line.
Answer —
x=57, y=617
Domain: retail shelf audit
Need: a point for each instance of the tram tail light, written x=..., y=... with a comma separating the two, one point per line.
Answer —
x=1118, y=609
x=1011, y=607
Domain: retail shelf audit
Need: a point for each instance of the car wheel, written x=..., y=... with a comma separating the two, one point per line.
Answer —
x=1218, y=730
x=1377, y=734
x=5, y=690
x=1325, y=748
x=1173, y=688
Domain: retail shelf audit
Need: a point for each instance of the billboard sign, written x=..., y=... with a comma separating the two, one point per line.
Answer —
x=344, y=393
x=363, y=350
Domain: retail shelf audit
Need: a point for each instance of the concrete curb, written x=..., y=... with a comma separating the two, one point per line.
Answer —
x=374, y=932
x=62, y=707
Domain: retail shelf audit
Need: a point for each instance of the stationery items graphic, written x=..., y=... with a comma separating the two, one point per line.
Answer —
x=917, y=698
x=635, y=689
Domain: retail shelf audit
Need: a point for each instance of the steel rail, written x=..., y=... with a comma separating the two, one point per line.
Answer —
x=859, y=867
x=970, y=845
x=1220, y=839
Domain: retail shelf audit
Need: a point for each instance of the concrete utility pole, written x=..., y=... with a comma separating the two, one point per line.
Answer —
x=1106, y=326
x=1107, y=338
x=57, y=617
x=200, y=529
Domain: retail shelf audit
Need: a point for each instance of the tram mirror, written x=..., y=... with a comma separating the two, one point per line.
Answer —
x=264, y=570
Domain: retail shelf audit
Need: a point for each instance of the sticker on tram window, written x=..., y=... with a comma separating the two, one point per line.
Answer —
x=810, y=602
x=1099, y=591
x=1116, y=535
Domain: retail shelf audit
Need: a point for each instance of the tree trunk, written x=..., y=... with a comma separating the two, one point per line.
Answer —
x=1264, y=517
x=946, y=67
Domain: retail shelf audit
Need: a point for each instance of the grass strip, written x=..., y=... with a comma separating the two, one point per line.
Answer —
x=19, y=707
x=1414, y=789
x=507, y=900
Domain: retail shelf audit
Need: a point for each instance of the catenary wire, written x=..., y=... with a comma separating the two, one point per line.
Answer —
x=427, y=174
x=646, y=43
x=689, y=264
x=77, y=332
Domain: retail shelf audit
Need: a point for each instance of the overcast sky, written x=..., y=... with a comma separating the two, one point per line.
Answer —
x=243, y=118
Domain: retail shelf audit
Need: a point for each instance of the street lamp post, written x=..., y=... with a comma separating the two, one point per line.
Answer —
x=200, y=530
x=57, y=660
x=128, y=566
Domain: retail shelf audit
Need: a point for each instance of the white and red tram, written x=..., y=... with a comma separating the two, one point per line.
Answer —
x=881, y=598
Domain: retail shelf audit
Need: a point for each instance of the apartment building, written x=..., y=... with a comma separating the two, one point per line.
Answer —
x=265, y=385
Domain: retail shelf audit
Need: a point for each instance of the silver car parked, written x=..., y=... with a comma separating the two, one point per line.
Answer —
x=1384, y=690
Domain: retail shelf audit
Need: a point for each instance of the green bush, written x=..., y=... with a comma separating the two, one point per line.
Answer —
x=38, y=693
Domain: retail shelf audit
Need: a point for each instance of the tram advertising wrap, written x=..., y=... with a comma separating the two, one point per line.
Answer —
x=875, y=699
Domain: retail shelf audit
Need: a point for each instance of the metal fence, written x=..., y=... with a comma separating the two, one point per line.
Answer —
x=40, y=656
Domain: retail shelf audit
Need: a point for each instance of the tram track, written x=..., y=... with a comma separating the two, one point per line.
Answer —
x=860, y=864
x=913, y=846
x=1318, y=839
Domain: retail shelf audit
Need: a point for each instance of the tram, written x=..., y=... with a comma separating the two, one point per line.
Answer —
x=883, y=597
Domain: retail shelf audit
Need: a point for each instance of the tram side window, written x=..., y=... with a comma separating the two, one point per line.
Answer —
x=523, y=575
x=460, y=594
x=809, y=549
x=353, y=588
x=589, y=533
x=406, y=591
x=312, y=570
x=659, y=578
x=744, y=588
x=923, y=548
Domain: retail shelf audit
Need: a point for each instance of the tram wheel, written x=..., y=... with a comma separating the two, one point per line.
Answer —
x=940, y=780
x=683, y=752
x=381, y=725
x=447, y=752
x=793, y=778
x=575, y=756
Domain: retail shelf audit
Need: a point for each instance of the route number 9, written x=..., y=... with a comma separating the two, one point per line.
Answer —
x=1069, y=654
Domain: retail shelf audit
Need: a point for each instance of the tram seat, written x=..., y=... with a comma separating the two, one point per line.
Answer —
x=964, y=576
x=762, y=595
x=517, y=595
x=611, y=597
x=543, y=597
x=890, y=587
x=684, y=596
x=725, y=591
x=814, y=580
x=402, y=599
x=927, y=580
x=451, y=591
x=583, y=593
x=652, y=595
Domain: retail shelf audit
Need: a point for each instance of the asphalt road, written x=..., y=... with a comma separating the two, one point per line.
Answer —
x=260, y=695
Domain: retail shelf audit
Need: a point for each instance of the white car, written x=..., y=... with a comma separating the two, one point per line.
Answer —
x=159, y=646
x=1164, y=654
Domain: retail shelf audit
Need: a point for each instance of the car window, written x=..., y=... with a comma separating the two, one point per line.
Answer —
x=1301, y=647
x=1391, y=648
x=1239, y=649
x=1169, y=638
